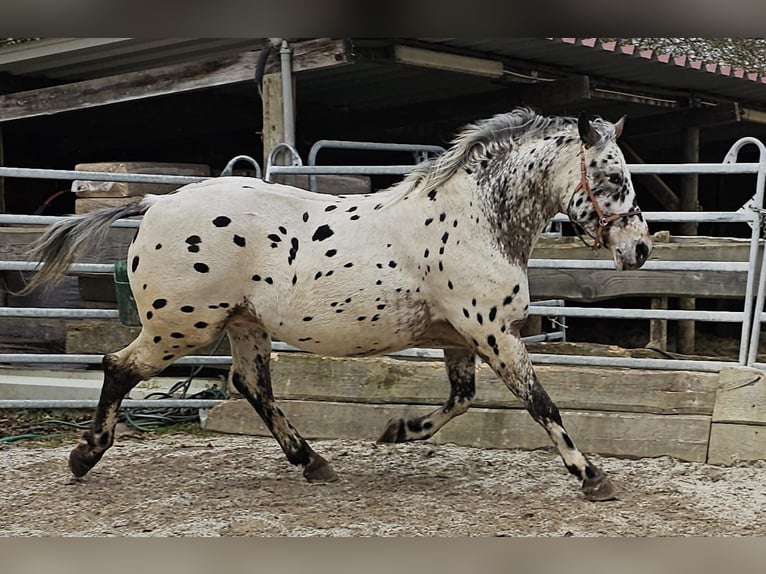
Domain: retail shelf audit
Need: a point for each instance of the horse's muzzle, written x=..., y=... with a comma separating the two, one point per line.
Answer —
x=626, y=260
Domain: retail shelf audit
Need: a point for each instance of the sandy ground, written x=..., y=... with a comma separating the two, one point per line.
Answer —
x=185, y=485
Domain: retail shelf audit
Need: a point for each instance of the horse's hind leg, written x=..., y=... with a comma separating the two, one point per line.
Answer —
x=251, y=376
x=461, y=371
x=509, y=359
x=122, y=371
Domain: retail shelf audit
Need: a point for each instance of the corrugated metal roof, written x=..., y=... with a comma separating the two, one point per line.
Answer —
x=627, y=64
x=606, y=63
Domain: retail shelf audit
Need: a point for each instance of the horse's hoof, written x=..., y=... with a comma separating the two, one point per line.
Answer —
x=81, y=460
x=319, y=470
x=599, y=488
x=395, y=432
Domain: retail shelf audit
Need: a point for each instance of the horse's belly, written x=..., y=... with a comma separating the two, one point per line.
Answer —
x=350, y=329
x=343, y=342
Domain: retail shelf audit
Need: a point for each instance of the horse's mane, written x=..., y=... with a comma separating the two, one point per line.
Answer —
x=492, y=135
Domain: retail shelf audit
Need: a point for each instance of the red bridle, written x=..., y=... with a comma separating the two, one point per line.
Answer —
x=603, y=220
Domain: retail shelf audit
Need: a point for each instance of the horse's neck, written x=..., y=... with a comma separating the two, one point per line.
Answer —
x=518, y=196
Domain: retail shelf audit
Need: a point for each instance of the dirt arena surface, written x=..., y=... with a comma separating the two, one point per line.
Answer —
x=185, y=485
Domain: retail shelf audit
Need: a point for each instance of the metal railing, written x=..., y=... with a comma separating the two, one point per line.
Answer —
x=750, y=317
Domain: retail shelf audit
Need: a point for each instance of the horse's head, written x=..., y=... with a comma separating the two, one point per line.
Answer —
x=604, y=202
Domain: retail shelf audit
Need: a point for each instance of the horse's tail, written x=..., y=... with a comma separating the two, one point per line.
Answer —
x=57, y=247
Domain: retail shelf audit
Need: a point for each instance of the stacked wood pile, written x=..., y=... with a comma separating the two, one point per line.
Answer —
x=94, y=195
x=699, y=417
x=621, y=412
x=738, y=430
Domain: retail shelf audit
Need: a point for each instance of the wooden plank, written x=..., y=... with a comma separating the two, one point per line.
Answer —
x=741, y=397
x=336, y=184
x=173, y=79
x=101, y=337
x=384, y=379
x=596, y=285
x=732, y=443
x=116, y=189
x=617, y=434
x=665, y=248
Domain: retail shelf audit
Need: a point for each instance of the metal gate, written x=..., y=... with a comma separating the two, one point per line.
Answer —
x=750, y=317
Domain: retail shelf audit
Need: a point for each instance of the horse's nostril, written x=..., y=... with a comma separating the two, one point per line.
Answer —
x=642, y=252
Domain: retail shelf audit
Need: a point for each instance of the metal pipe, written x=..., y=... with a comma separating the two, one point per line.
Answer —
x=606, y=313
x=692, y=168
x=59, y=313
x=368, y=146
x=288, y=111
x=97, y=175
x=365, y=146
x=93, y=403
x=732, y=266
x=760, y=190
x=543, y=359
x=655, y=265
x=73, y=268
x=229, y=168
x=10, y=219
x=33, y=173
x=657, y=216
x=295, y=158
x=342, y=169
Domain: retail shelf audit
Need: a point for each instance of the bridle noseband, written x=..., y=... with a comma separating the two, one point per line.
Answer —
x=603, y=220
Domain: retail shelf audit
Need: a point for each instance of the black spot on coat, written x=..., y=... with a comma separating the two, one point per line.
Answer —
x=221, y=221
x=322, y=232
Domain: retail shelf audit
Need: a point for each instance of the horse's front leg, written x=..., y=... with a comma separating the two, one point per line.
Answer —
x=508, y=357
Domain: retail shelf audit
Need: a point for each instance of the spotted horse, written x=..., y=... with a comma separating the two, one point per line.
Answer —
x=437, y=260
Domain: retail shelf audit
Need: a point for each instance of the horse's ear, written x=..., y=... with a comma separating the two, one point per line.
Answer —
x=618, y=127
x=588, y=133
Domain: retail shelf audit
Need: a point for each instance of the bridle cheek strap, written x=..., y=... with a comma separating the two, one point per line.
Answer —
x=603, y=220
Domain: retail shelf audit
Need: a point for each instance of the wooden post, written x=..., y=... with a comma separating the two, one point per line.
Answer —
x=2, y=179
x=274, y=123
x=689, y=202
x=658, y=328
x=2, y=210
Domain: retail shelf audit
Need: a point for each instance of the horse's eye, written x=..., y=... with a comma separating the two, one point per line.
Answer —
x=616, y=179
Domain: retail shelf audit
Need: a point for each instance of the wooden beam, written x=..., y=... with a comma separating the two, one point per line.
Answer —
x=315, y=54
x=589, y=285
x=657, y=188
x=566, y=93
x=454, y=112
x=690, y=153
x=676, y=120
x=161, y=81
x=616, y=434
